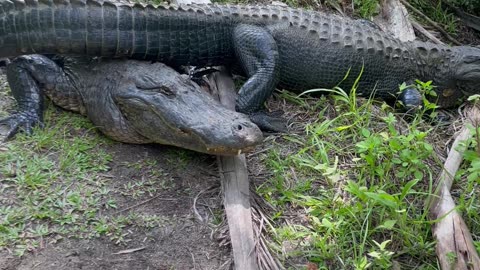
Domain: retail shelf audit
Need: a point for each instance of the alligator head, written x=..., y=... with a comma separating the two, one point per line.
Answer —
x=467, y=72
x=173, y=110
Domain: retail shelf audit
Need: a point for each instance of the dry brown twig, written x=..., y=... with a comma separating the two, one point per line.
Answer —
x=262, y=221
x=425, y=32
x=128, y=251
x=145, y=202
x=455, y=248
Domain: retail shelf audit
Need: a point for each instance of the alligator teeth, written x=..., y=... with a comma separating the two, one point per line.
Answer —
x=239, y=152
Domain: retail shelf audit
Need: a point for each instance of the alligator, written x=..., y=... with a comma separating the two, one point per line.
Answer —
x=274, y=46
x=130, y=101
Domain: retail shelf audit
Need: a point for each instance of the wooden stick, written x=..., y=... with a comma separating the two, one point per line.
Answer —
x=393, y=18
x=234, y=177
x=425, y=32
x=455, y=248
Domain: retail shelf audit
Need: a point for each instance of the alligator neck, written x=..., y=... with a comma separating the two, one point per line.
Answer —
x=432, y=62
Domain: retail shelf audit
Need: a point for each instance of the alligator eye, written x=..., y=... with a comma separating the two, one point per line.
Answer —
x=164, y=90
x=184, y=131
x=472, y=59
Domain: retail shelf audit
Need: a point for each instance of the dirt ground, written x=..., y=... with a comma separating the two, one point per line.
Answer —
x=181, y=242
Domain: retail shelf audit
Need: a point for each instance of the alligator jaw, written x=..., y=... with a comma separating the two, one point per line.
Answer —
x=173, y=110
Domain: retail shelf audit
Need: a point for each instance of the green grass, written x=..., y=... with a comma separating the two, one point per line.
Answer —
x=366, y=8
x=470, y=6
x=435, y=11
x=51, y=187
x=350, y=192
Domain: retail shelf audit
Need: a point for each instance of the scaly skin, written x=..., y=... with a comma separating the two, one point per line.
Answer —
x=130, y=101
x=276, y=46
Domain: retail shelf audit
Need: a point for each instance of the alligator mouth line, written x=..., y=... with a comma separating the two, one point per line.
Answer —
x=177, y=130
x=222, y=150
x=199, y=139
x=210, y=149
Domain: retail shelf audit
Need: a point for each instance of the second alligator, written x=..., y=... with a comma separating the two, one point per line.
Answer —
x=275, y=46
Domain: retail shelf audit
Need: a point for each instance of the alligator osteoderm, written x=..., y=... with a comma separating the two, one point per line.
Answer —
x=130, y=101
x=275, y=46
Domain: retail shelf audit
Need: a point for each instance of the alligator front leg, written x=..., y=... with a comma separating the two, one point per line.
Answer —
x=27, y=76
x=257, y=52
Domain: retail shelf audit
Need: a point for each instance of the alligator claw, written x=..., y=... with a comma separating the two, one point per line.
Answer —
x=276, y=114
x=197, y=74
x=443, y=117
x=200, y=72
x=269, y=122
x=23, y=120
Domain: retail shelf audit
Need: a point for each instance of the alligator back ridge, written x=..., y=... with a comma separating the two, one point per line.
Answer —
x=104, y=28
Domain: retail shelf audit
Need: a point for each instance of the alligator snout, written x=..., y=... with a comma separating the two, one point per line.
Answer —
x=247, y=133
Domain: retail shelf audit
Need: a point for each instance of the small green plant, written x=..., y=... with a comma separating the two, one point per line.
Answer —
x=429, y=96
x=435, y=11
x=358, y=177
x=366, y=8
x=382, y=256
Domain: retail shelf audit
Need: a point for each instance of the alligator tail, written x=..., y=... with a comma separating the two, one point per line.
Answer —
x=102, y=28
x=47, y=26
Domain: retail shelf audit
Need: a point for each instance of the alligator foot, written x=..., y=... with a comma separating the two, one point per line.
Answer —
x=443, y=117
x=269, y=122
x=258, y=55
x=411, y=100
x=25, y=74
x=197, y=75
x=24, y=120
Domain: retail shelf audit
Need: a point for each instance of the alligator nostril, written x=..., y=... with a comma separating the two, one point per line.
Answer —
x=239, y=127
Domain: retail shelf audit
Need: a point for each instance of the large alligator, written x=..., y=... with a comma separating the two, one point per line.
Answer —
x=130, y=101
x=275, y=46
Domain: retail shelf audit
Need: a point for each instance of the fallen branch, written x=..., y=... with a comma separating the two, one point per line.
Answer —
x=144, y=202
x=234, y=177
x=393, y=18
x=128, y=251
x=235, y=184
x=430, y=21
x=425, y=32
x=455, y=248
x=453, y=237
